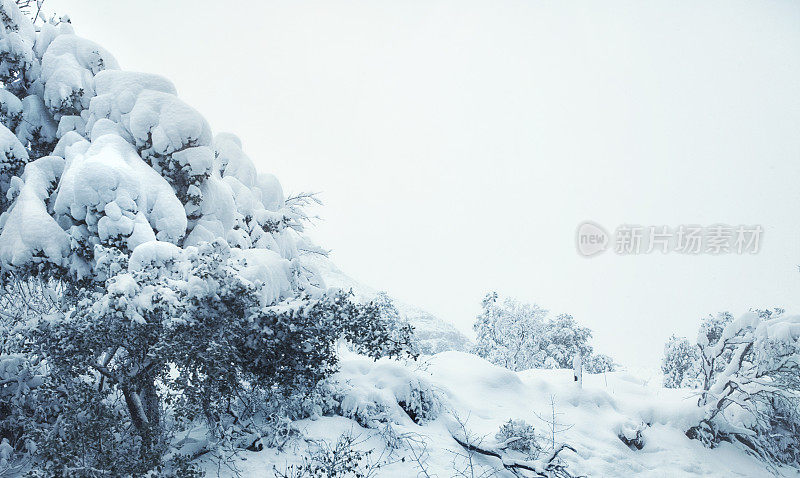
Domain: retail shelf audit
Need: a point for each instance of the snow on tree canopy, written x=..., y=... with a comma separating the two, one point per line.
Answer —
x=68, y=68
x=17, y=37
x=98, y=159
x=13, y=159
x=113, y=193
x=29, y=233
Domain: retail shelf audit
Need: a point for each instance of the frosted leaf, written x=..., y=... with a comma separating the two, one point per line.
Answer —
x=13, y=157
x=18, y=65
x=267, y=270
x=216, y=212
x=198, y=160
x=116, y=82
x=47, y=33
x=69, y=139
x=271, y=192
x=117, y=91
x=104, y=127
x=14, y=20
x=70, y=123
x=10, y=109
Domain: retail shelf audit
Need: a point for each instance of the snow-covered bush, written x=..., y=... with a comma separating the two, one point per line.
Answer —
x=384, y=392
x=750, y=375
x=391, y=317
x=711, y=329
x=518, y=435
x=680, y=363
x=149, y=265
x=344, y=458
x=184, y=331
x=631, y=434
x=599, y=363
x=521, y=336
x=419, y=401
x=506, y=333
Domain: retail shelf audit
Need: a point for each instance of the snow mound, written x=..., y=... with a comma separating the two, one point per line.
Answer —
x=384, y=392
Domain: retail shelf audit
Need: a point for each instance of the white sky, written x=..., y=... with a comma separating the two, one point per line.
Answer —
x=458, y=144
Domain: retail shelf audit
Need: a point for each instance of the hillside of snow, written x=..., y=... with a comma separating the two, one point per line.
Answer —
x=475, y=396
x=163, y=313
x=434, y=335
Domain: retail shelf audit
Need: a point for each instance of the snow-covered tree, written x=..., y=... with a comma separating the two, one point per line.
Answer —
x=506, y=333
x=394, y=324
x=680, y=363
x=147, y=263
x=750, y=376
x=599, y=363
x=562, y=338
x=521, y=336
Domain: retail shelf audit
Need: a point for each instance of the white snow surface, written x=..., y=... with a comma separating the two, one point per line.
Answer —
x=485, y=396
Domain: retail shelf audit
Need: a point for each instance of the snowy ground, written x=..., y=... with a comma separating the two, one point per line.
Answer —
x=485, y=396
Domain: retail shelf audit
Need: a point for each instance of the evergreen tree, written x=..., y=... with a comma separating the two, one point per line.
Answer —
x=151, y=278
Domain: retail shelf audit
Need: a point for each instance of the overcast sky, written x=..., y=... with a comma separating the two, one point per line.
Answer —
x=457, y=145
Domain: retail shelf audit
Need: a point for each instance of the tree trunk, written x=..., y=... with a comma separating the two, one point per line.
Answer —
x=151, y=404
x=141, y=422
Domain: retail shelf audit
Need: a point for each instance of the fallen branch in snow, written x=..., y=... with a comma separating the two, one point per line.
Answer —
x=507, y=443
x=549, y=467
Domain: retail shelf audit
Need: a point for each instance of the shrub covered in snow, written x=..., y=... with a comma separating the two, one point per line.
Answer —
x=518, y=435
x=750, y=376
x=344, y=458
x=521, y=336
x=384, y=392
x=599, y=363
x=681, y=364
x=148, y=265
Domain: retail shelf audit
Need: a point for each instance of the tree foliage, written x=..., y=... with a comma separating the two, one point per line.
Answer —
x=749, y=373
x=521, y=336
x=681, y=364
x=152, y=279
